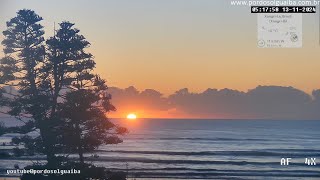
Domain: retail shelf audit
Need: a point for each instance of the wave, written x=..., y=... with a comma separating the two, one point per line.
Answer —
x=217, y=175
x=162, y=161
x=215, y=170
x=222, y=153
x=202, y=139
x=187, y=173
x=189, y=162
x=294, y=150
x=201, y=173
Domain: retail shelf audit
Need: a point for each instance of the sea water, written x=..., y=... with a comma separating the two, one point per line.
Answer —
x=211, y=149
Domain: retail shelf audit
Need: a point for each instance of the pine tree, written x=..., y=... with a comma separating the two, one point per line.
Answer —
x=58, y=95
x=22, y=68
x=85, y=101
x=86, y=125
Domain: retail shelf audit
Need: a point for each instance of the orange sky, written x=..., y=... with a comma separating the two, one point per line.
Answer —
x=169, y=45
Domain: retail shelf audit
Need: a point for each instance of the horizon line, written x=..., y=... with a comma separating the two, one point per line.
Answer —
x=259, y=119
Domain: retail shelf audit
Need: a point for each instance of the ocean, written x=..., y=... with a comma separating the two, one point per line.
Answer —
x=211, y=149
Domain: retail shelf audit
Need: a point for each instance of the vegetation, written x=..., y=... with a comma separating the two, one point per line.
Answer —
x=58, y=95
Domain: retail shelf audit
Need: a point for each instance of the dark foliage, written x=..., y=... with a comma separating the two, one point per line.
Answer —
x=56, y=95
x=4, y=155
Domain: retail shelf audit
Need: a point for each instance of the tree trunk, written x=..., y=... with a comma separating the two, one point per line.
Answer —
x=48, y=149
x=81, y=158
x=80, y=149
x=51, y=159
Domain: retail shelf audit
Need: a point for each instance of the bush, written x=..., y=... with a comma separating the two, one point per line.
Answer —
x=4, y=154
x=18, y=152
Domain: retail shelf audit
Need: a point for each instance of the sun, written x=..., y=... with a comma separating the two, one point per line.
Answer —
x=131, y=116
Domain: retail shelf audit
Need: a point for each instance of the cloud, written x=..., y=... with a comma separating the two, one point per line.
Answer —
x=262, y=102
x=148, y=103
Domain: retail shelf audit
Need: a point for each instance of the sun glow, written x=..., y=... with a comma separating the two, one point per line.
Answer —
x=131, y=116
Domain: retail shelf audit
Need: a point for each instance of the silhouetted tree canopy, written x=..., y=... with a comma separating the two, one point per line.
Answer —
x=58, y=94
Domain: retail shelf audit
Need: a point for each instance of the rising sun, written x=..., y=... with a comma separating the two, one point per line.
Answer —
x=131, y=116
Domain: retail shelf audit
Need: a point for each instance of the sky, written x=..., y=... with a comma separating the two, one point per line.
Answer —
x=167, y=45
